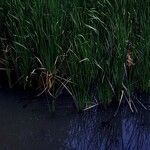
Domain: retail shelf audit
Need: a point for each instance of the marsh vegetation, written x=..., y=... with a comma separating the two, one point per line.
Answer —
x=99, y=51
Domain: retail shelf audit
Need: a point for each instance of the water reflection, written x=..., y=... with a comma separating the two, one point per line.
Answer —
x=125, y=132
x=32, y=128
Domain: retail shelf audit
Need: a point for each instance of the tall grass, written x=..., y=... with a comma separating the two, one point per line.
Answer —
x=96, y=50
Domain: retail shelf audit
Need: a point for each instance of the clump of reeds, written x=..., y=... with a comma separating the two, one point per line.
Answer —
x=97, y=51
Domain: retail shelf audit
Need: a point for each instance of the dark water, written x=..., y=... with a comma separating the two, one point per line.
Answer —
x=32, y=128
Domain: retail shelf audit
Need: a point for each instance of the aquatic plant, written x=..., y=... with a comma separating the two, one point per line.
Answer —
x=98, y=51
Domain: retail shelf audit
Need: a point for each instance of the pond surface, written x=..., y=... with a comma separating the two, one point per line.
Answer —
x=32, y=128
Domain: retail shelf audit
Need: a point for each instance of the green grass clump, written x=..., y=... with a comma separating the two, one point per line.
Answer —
x=94, y=49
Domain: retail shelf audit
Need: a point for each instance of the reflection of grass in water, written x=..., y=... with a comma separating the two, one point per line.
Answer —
x=78, y=45
x=135, y=130
x=124, y=130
